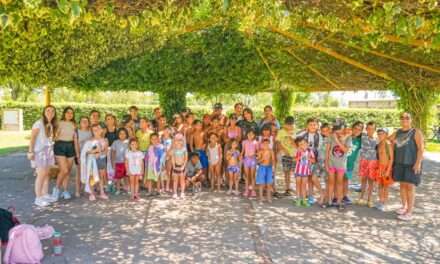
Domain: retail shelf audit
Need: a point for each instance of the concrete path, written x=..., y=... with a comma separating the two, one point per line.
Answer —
x=216, y=228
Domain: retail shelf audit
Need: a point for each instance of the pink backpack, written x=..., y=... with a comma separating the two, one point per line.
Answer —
x=24, y=244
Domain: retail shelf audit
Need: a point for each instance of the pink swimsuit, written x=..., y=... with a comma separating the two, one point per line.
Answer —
x=250, y=150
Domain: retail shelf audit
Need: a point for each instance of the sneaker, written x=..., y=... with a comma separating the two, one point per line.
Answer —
x=175, y=196
x=66, y=195
x=48, y=198
x=297, y=202
x=405, y=217
x=118, y=192
x=40, y=202
x=229, y=192
x=305, y=203
x=276, y=195
x=347, y=200
x=56, y=194
x=253, y=194
x=370, y=204
x=182, y=196
x=287, y=193
x=334, y=202
x=361, y=202
x=380, y=207
x=311, y=200
x=236, y=193
x=245, y=193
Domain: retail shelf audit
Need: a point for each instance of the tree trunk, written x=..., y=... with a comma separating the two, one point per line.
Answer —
x=172, y=102
x=282, y=101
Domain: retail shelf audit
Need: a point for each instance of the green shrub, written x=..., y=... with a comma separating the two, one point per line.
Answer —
x=385, y=118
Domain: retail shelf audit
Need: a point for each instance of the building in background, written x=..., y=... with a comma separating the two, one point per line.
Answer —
x=373, y=103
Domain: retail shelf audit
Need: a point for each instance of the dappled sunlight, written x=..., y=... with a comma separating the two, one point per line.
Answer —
x=217, y=228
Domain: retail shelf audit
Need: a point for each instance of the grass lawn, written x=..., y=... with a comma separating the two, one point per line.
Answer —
x=433, y=146
x=13, y=141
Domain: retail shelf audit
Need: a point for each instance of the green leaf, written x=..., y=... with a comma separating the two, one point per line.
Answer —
x=76, y=9
x=402, y=27
x=63, y=6
x=436, y=41
x=4, y=20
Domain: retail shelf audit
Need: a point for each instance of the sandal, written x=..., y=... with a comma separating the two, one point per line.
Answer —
x=405, y=217
x=401, y=211
x=103, y=196
x=92, y=198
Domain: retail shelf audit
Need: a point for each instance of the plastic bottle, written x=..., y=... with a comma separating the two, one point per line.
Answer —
x=57, y=244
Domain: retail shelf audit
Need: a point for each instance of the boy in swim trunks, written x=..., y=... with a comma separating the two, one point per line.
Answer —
x=266, y=167
x=194, y=172
x=368, y=165
x=197, y=144
x=286, y=139
x=386, y=157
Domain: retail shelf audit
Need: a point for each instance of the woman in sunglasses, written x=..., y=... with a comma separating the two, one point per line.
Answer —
x=407, y=168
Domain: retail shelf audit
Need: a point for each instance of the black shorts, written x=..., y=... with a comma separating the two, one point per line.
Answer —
x=405, y=173
x=64, y=149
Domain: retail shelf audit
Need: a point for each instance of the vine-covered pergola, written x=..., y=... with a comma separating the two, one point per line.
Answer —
x=213, y=46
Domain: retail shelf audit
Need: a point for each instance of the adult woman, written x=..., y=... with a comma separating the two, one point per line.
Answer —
x=407, y=167
x=41, y=153
x=111, y=128
x=65, y=150
x=248, y=122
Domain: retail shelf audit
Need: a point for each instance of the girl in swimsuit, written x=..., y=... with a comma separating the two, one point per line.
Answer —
x=214, y=151
x=248, y=153
x=233, y=169
x=179, y=158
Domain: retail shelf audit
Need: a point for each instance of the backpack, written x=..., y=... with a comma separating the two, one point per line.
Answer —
x=24, y=244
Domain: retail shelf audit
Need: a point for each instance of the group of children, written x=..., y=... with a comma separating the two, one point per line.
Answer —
x=220, y=151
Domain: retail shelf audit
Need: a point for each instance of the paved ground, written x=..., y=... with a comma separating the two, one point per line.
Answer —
x=215, y=228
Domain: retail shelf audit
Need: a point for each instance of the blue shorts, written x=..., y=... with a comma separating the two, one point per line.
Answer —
x=203, y=158
x=264, y=174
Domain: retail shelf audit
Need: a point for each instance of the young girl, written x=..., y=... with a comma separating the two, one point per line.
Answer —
x=178, y=125
x=166, y=158
x=153, y=159
x=179, y=158
x=65, y=152
x=129, y=124
x=338, y=146
x=118, y=150
x=303, y=169
x=214, y=151
x=41, y=153
x=384, y=178
x=233, y=166
x=248, y=153
x=94, y=163
x=83, y=134
x=368, y=168
x=134, y=165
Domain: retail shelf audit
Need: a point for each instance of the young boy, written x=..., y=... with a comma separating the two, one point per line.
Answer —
x=194, y=175
x=286, y=139
x=310, y=134
x=368, y=165
x=197, y=144
x=318, y=169
x=386, y=158
x=305, y=157
x=352, y=157
x=266, y=161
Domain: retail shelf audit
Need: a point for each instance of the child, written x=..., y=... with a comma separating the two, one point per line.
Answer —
x=134, y=165
x=368, y=164
x=179, y=158
x=166, y=158
x=352, y=157
x=305, y=157
x=83, y=133
x=198, y=144
x=233, y=169
x=311, y=135
x=119, y=148
x=248, y=154
x=130, y=125
x=178, y=125
x=94, y=163
x=153, y=164
x=194, y=170
x=286, y=137
x=386, y=158
x=215, y=158
x=318, y=169
x=266, y=167
x=338, y=146
x=143, y=134
x=266, y=133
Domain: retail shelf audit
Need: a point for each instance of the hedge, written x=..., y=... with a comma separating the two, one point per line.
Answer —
x=385, y=118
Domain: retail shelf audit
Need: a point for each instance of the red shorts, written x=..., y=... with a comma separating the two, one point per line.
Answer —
x=369, y=169
x=382, y=178
x=120, y=171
